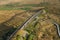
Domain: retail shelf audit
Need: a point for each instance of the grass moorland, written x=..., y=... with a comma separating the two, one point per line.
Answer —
x=40, y=30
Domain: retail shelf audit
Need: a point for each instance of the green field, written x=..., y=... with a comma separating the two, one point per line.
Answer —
x=17, y=6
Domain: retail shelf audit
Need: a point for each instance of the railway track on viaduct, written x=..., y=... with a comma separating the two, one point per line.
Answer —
x=25, y=23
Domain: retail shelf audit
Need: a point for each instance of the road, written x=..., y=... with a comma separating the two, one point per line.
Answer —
x=56, y=24
x=58, y=27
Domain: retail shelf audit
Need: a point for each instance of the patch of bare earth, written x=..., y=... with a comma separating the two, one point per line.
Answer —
x=7, y=14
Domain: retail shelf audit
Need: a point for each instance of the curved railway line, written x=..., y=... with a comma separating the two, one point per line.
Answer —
x=5, y=25
x=25, y=23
